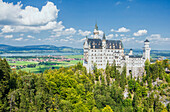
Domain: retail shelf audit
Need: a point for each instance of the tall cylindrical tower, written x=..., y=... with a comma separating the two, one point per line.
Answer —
x=146, y=50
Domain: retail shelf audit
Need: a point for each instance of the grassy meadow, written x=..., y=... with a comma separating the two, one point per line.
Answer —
x=39, y=68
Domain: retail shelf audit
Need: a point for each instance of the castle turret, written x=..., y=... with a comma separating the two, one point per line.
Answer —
x=96, y=32
x=104, y=41
x=131, y=52
x=86, y=48
x=146, y=50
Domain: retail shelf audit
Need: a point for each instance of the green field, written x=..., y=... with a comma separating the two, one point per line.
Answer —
x=22, y=63
x=74, y=56
x=47, y=65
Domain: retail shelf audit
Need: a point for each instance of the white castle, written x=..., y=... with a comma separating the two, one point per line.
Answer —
x=101, y=51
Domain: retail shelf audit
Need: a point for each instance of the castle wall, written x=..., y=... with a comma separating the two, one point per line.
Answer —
x=99, y=52
x=135, y=66
x=101, y=56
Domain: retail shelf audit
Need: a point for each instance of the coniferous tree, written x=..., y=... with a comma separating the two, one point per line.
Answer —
x=4, y=84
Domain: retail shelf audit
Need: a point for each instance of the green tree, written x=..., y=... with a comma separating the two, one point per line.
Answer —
x=4, y=84
x=123, y=78
x=107, y=109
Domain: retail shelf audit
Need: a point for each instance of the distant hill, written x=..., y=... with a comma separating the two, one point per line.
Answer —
x=7, y=48
x=64, y=49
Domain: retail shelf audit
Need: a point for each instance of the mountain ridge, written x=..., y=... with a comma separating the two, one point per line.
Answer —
x=4, y=47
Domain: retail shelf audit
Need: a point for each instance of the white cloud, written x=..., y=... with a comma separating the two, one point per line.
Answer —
x=100, y=33
x=69, y=37
x=59, y=27
x=112, y=30
x=18, y=39
x=51, y=25
x=69, y=31
x=9, y=11
x=140, y=32
x=116, y=35
x=85, y=33
x=28, y=16
x=139, y=41
x=122, y=29
x=158, y=38
x=21, y=34
x=63, y=40
x=118, y=3
x=32, y=15
x=125, y=39
x=8, y=36
x=7, y=29
x=29, y=36
x=109, y=36
x=128, y=7
x=19, y=28
x=83, y=39
x=122, y=35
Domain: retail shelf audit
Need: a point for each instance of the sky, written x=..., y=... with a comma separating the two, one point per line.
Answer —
x=68, y=22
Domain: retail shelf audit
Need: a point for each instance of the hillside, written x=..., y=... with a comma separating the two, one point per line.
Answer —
x=8, y=48
x=64, y=49
x=72, y=89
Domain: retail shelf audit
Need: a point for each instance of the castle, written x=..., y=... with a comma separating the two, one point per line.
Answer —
x=103, y=51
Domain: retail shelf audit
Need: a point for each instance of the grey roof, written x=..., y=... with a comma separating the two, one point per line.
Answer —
x=96, y=42
x=135, y=56
x=110, y=44
x=146, y=40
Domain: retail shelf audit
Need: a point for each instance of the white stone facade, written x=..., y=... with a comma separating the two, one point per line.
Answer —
x=101, y=51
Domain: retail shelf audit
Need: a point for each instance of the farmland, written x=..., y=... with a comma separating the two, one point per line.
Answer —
x=41, y=63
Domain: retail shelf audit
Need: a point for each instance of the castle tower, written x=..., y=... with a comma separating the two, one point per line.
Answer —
x=86, y=47
x=96, y=32
x=131, y=52
x=146, y=50
x=104, y=41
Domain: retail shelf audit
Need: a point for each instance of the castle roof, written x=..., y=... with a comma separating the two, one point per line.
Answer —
x=110, y=44
x=146, y=40
x=135, y=56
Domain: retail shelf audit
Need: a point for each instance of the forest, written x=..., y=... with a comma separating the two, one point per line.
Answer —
x=72, y=89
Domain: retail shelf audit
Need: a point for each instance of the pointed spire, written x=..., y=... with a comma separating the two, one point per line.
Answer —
x=96, y=27
x=104, y=37
x=86, y=37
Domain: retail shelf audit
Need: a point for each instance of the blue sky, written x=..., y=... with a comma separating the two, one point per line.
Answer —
x=67, y=22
